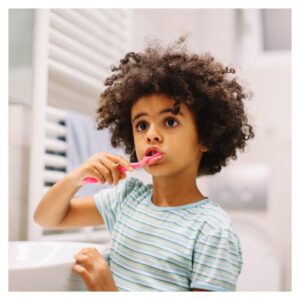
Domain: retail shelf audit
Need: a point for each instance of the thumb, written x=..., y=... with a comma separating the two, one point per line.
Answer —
x=122, y=176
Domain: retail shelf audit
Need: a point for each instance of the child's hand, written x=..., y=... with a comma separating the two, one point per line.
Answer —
x=103, y=167
x=94, y=270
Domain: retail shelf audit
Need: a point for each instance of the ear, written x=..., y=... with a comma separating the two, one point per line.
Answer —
x=203, y=148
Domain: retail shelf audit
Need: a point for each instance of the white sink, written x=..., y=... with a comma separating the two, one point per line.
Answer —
x=45, y=266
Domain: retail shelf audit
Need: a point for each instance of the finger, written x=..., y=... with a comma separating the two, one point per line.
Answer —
x=120, y=161
x=115, y=174
x=81, y=258
x=85, y=261
x=85, y=250
x=94, y=173
x=104, y=170
x=84, y=274
x=88, y=250
x=123, y=176
x=124, y=163
x=98, y=174
x=93, y=253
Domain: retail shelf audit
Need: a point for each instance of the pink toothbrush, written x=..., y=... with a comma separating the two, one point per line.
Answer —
x=145, y=161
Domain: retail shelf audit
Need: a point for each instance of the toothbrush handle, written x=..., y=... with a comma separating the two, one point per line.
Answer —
x=133, y=165
x=120, y=168
x=94, y=180
x=90, y=180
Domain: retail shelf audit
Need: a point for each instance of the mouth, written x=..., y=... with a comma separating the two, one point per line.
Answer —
x=152, y=151
x=154, y=155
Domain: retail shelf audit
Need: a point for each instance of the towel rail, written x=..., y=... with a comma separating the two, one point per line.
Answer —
x=55, y=145
x=60, y=69
x=55, y=161
x=54, y=129
x=53, y=176
x=79, y=34
x=75, y=62
x=55, y=114
x=73, y=51
x=70, y=44
x=97, y=32
x=104, y=22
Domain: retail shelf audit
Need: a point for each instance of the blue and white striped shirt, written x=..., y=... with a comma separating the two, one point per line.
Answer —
x=168, y=248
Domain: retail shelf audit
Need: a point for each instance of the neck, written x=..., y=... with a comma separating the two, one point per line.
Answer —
x=175, y=190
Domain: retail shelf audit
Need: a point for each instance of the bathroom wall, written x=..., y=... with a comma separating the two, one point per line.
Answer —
x=271, y=110
x=19, y=143
x=210, y=30
x=21, y=26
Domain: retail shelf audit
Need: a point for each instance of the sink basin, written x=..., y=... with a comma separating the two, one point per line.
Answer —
x=45, y=266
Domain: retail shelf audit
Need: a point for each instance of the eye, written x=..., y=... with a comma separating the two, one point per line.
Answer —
x=171, y=122
x=140, y=126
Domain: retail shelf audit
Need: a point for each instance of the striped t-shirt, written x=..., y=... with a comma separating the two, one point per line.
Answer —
x=168, y=248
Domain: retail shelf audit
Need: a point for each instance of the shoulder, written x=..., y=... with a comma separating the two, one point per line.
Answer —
x=216, y=230
x=133, y=190
x=214, y=219
x=135, y=185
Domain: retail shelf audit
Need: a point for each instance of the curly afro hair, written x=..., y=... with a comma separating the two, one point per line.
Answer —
x=207, y=87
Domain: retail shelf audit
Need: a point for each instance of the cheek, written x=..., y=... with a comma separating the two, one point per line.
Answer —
x=137, y=145
x=188, y=143
x=185, y=138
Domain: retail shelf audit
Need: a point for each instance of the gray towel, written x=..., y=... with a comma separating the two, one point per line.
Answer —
x=83, y=141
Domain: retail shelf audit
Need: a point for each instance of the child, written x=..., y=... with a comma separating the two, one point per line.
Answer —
x=166, y=236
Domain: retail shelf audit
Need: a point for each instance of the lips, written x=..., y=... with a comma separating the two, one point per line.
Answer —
x=152, y=150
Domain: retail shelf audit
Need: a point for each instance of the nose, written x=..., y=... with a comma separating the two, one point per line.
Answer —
x=153, y=135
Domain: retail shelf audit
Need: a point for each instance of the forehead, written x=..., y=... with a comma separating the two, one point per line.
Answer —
x=152, y=101
x=153, y=104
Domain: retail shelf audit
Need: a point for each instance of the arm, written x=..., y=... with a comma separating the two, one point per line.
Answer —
x=59, y=209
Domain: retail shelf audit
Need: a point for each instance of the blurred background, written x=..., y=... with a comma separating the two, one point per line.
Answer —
x=58, y=59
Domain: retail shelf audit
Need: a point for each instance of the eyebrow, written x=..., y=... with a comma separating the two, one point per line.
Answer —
x=164, y=111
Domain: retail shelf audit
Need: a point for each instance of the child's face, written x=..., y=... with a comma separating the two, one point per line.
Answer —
x=174, y=135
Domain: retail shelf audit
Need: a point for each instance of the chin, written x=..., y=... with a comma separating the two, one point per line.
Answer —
x=154, y=170
x=159, y=171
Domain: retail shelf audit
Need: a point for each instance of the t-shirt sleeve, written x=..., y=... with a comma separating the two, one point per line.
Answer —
x=217, y=261
x=109, y=202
